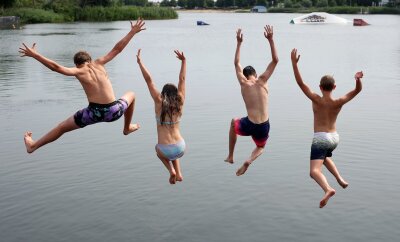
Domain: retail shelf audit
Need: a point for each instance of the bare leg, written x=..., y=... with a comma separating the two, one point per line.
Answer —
x=316, y=174
x=256, y=153
x=330, y=165
x=128, y=127
x=170, y=168
x=178, y=171
x=232, y=142
x=63, y=127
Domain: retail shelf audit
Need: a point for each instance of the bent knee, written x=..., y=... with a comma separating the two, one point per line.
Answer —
x=314, y=173
x=261, y=147
x=129, y=96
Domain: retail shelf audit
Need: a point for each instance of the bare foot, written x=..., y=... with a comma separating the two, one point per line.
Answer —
x=29, y=142
x=325, y=199
x=243, y=169
x=172, y=179
x=229, y=160
x=132, y=128
x=179, y=178
x=343, y=183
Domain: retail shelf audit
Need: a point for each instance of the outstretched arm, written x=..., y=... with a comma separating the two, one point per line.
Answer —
x=304, y=87
x=52, y=65
x=238, y=67
x=182, y=74
x=356, y=90
x=155, y=94
x=135, y=28
x=269, y=33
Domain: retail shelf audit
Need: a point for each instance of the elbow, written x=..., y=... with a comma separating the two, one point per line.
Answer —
x=275, y=60
x=117, y=49
x=55, y=68
x=358, y=88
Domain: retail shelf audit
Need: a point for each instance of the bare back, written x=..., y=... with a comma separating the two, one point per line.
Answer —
x=325, y=111
x=168, y=133
x=255, y=96
x=94, y=80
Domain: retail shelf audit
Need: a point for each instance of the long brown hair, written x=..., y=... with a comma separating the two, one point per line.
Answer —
x=171, y=102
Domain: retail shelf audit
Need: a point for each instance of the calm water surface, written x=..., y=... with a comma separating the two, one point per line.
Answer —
x=97, y=185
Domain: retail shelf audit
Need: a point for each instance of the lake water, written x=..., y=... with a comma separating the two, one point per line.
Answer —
x=95, y=184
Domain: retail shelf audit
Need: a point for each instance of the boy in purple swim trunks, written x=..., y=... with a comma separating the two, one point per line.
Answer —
x=255, y=95
x=326, y=109
x=103, y=106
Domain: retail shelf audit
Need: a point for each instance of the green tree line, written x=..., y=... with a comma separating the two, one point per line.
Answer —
x=55, y=11
x=77, y=3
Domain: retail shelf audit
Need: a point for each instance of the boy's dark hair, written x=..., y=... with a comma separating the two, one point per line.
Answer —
x=249, y=71
x=327, y=83
x=81, y=57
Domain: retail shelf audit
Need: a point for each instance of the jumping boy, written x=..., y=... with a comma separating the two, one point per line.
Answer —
x=255, y=95
x=326, y=139
x=103, y=107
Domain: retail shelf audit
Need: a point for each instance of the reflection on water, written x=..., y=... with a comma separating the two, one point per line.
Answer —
x=95, y=184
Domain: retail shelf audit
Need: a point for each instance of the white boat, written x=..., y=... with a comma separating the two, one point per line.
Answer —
x=319, y=18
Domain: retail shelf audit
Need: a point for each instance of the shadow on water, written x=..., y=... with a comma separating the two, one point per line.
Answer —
x=109, y=29
x=51, y=34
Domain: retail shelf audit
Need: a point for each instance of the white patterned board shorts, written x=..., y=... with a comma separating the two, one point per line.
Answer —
x=323, y=144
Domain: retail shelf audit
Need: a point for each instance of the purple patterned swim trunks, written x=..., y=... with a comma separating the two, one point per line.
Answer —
x=96, y=113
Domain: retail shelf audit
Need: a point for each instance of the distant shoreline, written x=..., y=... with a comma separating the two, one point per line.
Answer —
x=332, y=10
x=209, y=10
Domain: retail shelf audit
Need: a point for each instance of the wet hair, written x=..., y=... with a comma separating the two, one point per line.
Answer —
x=81, y=57
x=171, y=102
x=249, y=71
x=327, y=83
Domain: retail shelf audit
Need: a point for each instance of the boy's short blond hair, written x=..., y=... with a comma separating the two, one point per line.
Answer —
x=327, y=83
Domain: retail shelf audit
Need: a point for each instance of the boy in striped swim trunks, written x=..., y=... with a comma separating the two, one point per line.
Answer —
x=326, y=139
x=255, y=95
x=103, y=106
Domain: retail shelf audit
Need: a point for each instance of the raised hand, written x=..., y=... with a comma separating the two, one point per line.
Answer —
x=180, y=55
x=359, y=75
x=269, y=32
x=138, y=59
x=295, y=58
x=239, y=36
x=138, y=26
x=26, y=51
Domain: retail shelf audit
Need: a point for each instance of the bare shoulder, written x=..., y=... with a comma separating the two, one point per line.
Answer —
x=261, y=81
x=338, y=102
x=242, y=80
x=158, y=100
x=316, y=98
x=96, y=64
x=96, y=67
x=80, y=70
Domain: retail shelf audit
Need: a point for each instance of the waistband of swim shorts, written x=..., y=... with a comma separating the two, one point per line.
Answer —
x=325, y=134
x=98, y=105
x=263, y=123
